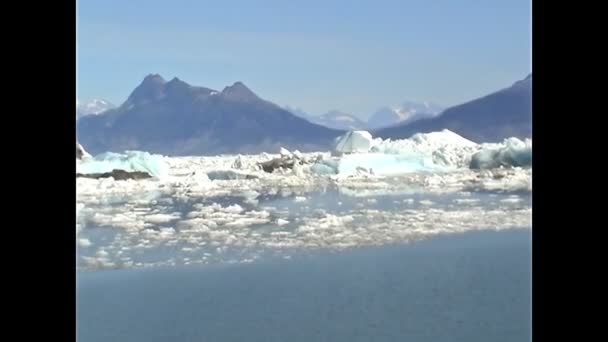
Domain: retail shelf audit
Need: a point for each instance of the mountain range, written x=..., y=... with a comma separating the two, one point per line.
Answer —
x=409, y=111
x=334, y=119
x=491, y=118
x=176, y=118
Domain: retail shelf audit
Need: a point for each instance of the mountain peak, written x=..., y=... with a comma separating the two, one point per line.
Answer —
x=335, y=113
x=525, y=83
x=153, y=79
x=408, y=111
x=239, y=91
x=150, y=89
x=176, y=83
x=175, y=80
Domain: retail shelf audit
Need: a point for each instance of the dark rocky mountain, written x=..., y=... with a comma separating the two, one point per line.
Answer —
x=505, y=113
x=175, y=118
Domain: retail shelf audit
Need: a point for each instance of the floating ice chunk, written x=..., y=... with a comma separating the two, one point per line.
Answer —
x=300, y=199
x=166, y=232
x=325, y=167
x=249, y=194
x=281, y=222
x=102, y=253
x=84, y=242
x=160, y=218
x=466, y=200
x=377, y=164
x=235, y=208
x=435, y=152
x=444, y=137
x=81, y=153
x=130, y=161
x=238, y=163
x=512, y=153
x=445, y=147
x=354, y=141
x=285, y=152
x=228, y=175
x=511, y=200
x=297, y=169
x=251, y=201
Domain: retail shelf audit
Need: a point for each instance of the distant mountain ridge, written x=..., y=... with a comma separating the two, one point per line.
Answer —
x=494, y=117
x=384, y=117
x=340, y=120
x=409, y=111
x=92, y=107
x=176, y=118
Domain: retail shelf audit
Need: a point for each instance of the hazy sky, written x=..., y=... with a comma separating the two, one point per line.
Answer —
x=316, y=55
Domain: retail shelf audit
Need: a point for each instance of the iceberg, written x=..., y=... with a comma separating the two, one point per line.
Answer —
x=423, y=142
x=81, y=153
x=325, y=167
x=284, y=152
x=380, y=164
x=357, y=151
x=228, y=175
x=446, y=147
x=131, y=161
x=354, y=141
x=512, y=153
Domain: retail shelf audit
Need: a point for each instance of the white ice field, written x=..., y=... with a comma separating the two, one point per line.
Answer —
x=201, y=210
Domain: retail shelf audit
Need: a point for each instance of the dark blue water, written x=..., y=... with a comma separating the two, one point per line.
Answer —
x=468, y=287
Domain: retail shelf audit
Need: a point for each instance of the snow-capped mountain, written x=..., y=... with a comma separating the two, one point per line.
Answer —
x=92, y=107
x=494, y=117
x=299, y=113
x=409, y=111
x=176, y=118
x=339, y=120
x=334, y=119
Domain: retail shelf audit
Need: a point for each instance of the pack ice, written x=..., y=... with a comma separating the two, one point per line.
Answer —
x=357, y=152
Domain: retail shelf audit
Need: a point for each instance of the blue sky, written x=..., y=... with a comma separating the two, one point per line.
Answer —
x=316, y=55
